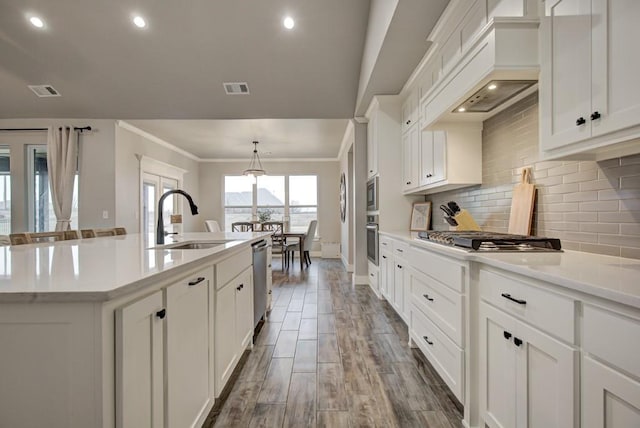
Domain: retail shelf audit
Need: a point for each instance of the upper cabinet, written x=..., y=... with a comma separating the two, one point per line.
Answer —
x=589, y=94
x=410, y=111
x=372, y=146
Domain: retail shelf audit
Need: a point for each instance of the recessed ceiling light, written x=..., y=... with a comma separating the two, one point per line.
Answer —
x=288, y=23
x=36, y=22
x=139, y=22
x=461, y=109
x=492, y=86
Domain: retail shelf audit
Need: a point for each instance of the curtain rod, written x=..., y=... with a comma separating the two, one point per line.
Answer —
x=75, y=128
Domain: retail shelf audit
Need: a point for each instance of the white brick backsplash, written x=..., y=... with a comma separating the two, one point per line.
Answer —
x=590, y=206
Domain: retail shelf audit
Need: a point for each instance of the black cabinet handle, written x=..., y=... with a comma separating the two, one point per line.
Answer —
x=408, y=121
x=426, y=339
x=595, y=115
x=370, y=170
x=507, y=335
x=197, y=281
x=408, y=182
x=580, y=121
x=429, y=175
x=399, y=250
x=399, y=267
x=518, y=301
x=517, y=341
x=371, y=274
x=161, y=314
x=426, y=296
x=384, y=257
x=240, y=287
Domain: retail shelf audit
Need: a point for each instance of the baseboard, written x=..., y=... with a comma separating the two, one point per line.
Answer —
x=361, y=279
x=346, y=264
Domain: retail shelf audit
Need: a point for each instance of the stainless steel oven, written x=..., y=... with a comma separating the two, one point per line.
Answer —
x=372, y=194
x=372, y=238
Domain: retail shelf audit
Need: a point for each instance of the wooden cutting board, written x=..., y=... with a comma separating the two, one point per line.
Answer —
x=522, y=205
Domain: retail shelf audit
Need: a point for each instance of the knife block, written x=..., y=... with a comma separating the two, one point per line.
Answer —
x=465, y=221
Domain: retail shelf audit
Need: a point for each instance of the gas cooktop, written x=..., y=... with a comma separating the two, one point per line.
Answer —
x=492, y=242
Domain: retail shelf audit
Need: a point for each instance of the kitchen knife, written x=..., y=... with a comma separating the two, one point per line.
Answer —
x=454, y=207
x=447, y=210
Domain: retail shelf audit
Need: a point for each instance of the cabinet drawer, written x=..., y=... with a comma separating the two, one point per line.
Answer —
x=442, y=353
x=441, y=304
x=546, y=310
x=441, y=268
x=612, y=337
x=229, y=268
x=400, y=248
x=386, y=243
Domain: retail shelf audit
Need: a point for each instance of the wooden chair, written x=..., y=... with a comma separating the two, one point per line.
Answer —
x=35, y=237
x=97, y=233
x=242, y=226
x=277, y=239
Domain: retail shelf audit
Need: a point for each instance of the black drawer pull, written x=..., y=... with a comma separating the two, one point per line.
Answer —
x=408, y=122
x=518, y=301
x=400, y=250
x=408, y=182
x=426, y=339
x=161, y=314
x=580, y=121
x=399, y=266
x=197, y=281
x=507, y=335
x=517, y=341
x=384, y=257
x=595, y=115
x=426, y=296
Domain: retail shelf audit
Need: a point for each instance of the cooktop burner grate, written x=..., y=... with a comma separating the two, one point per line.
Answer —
x=492, y=242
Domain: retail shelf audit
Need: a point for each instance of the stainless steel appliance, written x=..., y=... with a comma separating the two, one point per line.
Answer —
x=372, y=194
x=492, y=242
x=259, y=280
x=372, y=238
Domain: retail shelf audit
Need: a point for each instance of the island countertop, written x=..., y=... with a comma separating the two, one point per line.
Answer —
x=100, y=269
x=613, y=278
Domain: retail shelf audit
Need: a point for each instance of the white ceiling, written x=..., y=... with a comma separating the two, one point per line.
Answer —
x=163, y=77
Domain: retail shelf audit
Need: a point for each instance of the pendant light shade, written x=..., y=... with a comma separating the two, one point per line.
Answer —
x=255, y=167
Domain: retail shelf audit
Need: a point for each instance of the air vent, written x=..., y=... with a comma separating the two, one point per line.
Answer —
x=44, y=91
x=236, y=88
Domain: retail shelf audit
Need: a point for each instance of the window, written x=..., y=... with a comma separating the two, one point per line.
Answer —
x=42, y=217
x=292, y=199
x=5, y=191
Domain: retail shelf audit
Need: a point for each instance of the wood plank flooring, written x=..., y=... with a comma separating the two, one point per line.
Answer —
x=332, y=355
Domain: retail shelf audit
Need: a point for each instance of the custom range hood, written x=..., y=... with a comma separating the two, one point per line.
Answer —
x=497, y=68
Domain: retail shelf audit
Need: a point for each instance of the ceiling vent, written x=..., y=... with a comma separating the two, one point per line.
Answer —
x=44, y=91
x=236, y=88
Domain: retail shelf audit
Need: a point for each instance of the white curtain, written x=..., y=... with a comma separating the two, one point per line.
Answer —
x=62, y=158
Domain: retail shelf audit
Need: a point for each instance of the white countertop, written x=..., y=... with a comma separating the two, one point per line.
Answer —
x=103, y=268
x=612, y=278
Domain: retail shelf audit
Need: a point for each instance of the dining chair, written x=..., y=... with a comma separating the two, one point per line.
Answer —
x=35, y=237
x=5, y=240
x=212, y=226
x=308, y=243
x=242, y=226
x=97, y=233
x=278, y=241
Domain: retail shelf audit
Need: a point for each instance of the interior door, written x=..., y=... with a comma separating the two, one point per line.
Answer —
x=153, y=187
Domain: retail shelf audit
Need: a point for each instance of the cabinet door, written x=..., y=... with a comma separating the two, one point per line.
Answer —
x=226, y=347
x=409, y=111
x=372, y=146
x=426, y=157
x=244, y=309
x=411, y=159
x=615, y=89
x=565, y=79
x=439, y=156
x=398, y=279
x=188, y=350
x=139, y=364
x=546, y=381
x=386, y=272
x=610, y=399
x=498, y=367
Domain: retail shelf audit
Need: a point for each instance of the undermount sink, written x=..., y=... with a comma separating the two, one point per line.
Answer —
x=194, y=246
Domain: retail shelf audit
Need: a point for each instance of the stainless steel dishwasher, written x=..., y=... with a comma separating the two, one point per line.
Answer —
x=259, y=280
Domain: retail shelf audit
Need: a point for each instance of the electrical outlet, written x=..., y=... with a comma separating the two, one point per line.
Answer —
x=105, y=214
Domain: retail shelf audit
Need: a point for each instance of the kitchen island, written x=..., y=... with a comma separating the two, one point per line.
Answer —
x=522, y=339
x=108, y=332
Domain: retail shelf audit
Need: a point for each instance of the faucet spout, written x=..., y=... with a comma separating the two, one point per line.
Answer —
x=160, y=227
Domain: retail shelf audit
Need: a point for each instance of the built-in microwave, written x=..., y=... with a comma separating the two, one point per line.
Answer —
x=372, y=194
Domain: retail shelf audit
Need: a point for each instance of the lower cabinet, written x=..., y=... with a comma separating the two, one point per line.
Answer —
x=527, y=378
x=386, y=274
x=233, y=325
x=609, y=398
x=162, y=356
x=399, y=272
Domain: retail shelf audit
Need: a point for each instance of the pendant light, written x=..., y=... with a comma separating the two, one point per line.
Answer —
x=255, y=167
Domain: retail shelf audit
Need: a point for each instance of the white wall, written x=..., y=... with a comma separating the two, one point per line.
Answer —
x=96, y=168
x=212, y=190
x=127, y=182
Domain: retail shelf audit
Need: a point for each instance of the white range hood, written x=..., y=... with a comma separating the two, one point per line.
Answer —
x=500, y=68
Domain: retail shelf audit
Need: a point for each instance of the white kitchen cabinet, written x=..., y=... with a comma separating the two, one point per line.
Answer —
x=609, y=398
x=589, y=96
x=372, y=145
x=233, y=325
x=140, y=363
x=386, y=274
x=448, y=159
x=399, y=274
x=527, y=378
x=411, y=159
x=410, y=111
x=187, y=344
x=269, y=279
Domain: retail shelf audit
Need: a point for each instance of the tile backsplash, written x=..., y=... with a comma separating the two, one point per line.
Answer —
x=591, y=206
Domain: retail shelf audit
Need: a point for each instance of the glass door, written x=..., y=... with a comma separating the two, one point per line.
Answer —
x=153, y=187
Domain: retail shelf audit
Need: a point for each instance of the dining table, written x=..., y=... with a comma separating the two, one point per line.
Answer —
x=300, y=236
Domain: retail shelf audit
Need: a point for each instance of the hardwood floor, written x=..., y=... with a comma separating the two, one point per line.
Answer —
x=332, y=355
